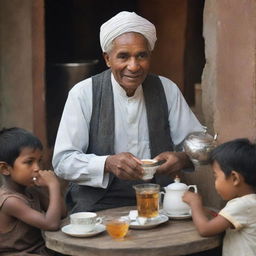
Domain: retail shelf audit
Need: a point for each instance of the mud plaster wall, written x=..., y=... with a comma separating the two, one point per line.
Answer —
x=15, y=64
x=229, y=76
x=235, y=101
x=22, y=92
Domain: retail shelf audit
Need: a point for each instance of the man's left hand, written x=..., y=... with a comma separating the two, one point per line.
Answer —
x=175, y=161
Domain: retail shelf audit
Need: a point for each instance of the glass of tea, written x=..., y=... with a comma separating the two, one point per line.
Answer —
x=147, y=197
x=117, y=227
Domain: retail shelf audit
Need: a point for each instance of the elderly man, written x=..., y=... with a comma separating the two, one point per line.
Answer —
x=114, y=119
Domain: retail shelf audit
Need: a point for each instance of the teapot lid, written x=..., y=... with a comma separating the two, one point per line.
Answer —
x=202, y=137
x=177, y=185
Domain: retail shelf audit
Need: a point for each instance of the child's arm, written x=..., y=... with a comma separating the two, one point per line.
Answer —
x=204, y=226
x=50, y=220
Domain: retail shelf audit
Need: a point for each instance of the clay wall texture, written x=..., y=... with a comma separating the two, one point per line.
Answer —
x=229, y=83
x=22, y=87
x=15, y=64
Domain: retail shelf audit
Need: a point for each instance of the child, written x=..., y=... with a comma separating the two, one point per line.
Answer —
x=22, y=199
x=234, y=167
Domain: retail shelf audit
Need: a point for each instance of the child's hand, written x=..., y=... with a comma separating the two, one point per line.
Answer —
x=46, y=178
x=192, y=198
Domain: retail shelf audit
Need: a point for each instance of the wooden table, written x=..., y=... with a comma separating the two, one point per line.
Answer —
x=173, y=238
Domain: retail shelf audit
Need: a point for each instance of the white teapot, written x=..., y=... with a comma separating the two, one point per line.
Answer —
x=172, y=203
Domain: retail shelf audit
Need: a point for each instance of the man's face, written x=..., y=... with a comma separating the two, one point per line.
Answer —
x=129, y=60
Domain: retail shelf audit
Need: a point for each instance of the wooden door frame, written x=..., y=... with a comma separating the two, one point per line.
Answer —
x=38, y=75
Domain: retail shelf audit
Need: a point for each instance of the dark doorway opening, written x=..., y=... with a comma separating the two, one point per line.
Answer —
x=194, y=49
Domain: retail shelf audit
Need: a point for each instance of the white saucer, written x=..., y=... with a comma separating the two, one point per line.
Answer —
x=68, y=230
x=179, y=217
x=159, y=220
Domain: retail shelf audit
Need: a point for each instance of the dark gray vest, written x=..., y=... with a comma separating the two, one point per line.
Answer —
x=101, y=140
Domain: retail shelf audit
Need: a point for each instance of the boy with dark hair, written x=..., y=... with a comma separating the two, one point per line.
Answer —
x=234, y=167
x=22, y=198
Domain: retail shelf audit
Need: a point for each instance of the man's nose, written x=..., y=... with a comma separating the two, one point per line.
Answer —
x=133, y=65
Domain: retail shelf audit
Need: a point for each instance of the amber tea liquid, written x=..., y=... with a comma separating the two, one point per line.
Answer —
x=147, y=203
x=117, y=228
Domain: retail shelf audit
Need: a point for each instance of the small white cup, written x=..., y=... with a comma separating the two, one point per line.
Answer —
x=84, y=221
x=149, y=171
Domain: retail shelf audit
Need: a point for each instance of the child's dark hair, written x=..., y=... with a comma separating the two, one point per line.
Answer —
x=13, y=140
x=238, y=155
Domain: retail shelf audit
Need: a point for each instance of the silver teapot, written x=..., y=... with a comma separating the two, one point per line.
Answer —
x=198, y=146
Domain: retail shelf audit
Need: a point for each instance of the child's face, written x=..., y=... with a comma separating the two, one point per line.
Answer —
x=26, y=166
x=223, y=185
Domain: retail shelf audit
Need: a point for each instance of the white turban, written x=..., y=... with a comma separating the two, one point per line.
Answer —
x=125, y=22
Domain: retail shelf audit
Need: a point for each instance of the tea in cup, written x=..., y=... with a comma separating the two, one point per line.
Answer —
x=84, y=222
x=117, y=227
x=149, y=168
x=147, y=197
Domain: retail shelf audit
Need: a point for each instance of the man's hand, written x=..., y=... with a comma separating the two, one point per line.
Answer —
x=125, y=166
x=175, y=161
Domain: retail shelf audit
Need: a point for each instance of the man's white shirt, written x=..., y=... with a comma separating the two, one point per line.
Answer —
x=70, y=160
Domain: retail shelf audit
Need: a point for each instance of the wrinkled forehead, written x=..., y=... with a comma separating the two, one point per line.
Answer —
x=129, y=40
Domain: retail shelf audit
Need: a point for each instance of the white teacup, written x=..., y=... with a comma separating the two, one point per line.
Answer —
x=84, y=221
x=149, y=170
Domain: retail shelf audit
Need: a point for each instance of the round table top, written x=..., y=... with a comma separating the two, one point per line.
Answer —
x=172, y=238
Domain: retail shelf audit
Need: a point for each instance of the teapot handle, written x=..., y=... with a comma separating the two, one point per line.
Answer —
x=194, y=187
x=161, y=198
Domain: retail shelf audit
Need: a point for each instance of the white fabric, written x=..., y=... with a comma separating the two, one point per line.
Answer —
x=131, y=130
x=125, y=22
x=241, y=212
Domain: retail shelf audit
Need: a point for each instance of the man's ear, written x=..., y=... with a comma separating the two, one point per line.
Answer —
x=236, y=178
x=106, y=58
x=4, y=168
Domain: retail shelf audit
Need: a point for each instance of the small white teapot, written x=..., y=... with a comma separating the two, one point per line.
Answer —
x=172, y=203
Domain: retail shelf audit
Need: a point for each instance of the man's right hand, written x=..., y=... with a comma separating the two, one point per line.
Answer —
x=125, y=166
